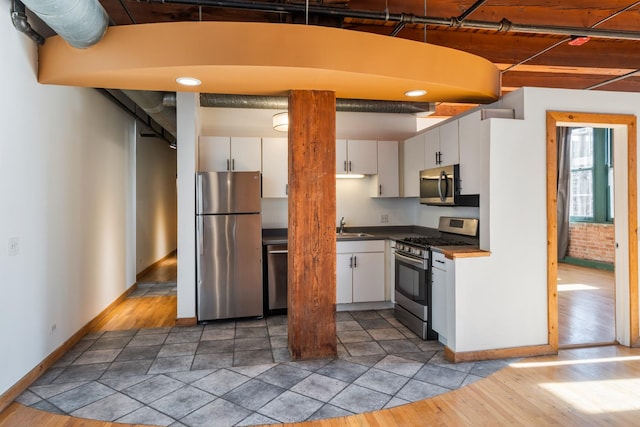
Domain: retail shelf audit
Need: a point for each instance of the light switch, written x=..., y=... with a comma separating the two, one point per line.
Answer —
x=14, y=246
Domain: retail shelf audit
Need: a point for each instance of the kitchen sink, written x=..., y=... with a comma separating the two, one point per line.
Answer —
x=348, y=234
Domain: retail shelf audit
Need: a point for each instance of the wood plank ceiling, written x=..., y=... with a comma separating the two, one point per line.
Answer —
x=531, y=53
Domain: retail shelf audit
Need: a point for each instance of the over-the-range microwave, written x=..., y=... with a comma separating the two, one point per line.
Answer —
x=441, y=187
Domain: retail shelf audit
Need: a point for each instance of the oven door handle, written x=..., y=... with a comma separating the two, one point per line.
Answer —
x=412, y=261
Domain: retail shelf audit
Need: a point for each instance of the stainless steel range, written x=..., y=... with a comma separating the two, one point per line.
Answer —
x=413, y=271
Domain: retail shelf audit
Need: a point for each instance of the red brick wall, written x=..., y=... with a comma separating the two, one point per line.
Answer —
x=591, y=241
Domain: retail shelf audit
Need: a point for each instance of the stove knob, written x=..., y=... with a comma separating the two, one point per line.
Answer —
x=418, y=252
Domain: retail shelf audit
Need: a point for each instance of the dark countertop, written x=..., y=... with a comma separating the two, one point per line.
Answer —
x=278, y=236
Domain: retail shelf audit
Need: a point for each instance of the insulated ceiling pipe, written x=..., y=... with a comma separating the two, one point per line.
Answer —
x=80, y=23
x=281, y=103
x=153, y=104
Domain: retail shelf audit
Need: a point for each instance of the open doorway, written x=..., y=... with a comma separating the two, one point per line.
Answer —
x=586, y=236
x=626, y=244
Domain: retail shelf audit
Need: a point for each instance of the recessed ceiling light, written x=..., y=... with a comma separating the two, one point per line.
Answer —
x=188, y=81
x=415, y=92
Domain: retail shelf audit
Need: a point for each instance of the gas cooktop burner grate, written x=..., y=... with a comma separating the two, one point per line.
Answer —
x=434, y=241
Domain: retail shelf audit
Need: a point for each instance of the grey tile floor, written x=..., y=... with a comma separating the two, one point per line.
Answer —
x=154, y=289
x=238, y=373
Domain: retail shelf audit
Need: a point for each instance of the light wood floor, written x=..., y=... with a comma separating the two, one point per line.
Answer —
x=586, y=306
x=597, y=386
x=147, y=312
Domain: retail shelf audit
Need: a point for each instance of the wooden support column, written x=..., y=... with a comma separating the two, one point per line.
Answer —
x=312, y=225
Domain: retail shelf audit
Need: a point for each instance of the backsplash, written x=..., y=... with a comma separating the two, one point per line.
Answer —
x=353, y=202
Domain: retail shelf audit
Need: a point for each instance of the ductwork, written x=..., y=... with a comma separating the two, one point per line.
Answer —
x=153, y=104
x=83, y=24
x=80, y=23
x=281, y=103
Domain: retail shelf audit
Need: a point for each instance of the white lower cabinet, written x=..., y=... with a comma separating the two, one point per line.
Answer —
x=439, y=294
x=360, y=271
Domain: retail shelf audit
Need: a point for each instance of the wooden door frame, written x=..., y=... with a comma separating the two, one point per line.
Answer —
x=554, y=117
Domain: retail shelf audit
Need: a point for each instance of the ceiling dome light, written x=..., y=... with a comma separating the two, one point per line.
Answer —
x=281, y=122
x=415, y=92
x=188, y=81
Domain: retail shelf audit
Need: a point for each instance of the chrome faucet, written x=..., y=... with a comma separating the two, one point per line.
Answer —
x=342, y=223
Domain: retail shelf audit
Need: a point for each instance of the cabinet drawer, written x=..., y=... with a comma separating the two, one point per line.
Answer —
x=360, y=246
x=438, y=260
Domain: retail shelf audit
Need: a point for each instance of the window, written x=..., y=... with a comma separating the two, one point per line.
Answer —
x=591, y=185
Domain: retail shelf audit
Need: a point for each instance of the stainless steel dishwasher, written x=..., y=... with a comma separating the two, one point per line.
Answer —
x=277, y=271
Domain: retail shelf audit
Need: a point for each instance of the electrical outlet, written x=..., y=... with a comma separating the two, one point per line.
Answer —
x=14, y=246
x=54, y=326
x=384, y=218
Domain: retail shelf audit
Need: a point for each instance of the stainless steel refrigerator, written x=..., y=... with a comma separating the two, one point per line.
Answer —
x=229, y=245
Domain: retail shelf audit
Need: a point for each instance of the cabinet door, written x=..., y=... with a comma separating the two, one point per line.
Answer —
x=246, y=154
x=362, y=156
x=431, y=148
x=470, y=139
x=439, y=300
x=387, y=182
x=213, y=153
x=341, y=156
x=275, y=166
x=368, y=277
x=449, y=150
x=413, y=163
x=344, y=278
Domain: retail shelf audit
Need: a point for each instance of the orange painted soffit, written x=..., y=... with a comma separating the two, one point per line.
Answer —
x=269, y=59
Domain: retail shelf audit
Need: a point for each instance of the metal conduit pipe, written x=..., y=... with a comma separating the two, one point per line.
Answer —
x=342, y=104
x=153, y=104
x=80, y=23
x=20, y=22
x=503, y=26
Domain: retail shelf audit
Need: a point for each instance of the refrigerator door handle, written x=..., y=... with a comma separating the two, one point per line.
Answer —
x=200, y=235
x=199, y=191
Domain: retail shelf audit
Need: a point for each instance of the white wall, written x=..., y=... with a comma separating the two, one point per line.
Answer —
x=501, y=300
x=156, y=198
x=67, y=163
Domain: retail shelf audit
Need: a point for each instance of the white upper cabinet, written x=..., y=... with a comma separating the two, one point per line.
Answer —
x=387, y=182
x=275, y=153
x=214, y=153
x=470, y=153
x=223, y=153
x=413, y=163
x=441, y=146
x=356, y=156
x=245, y=154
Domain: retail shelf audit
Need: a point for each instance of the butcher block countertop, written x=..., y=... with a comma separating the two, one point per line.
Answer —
x=455, y=252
